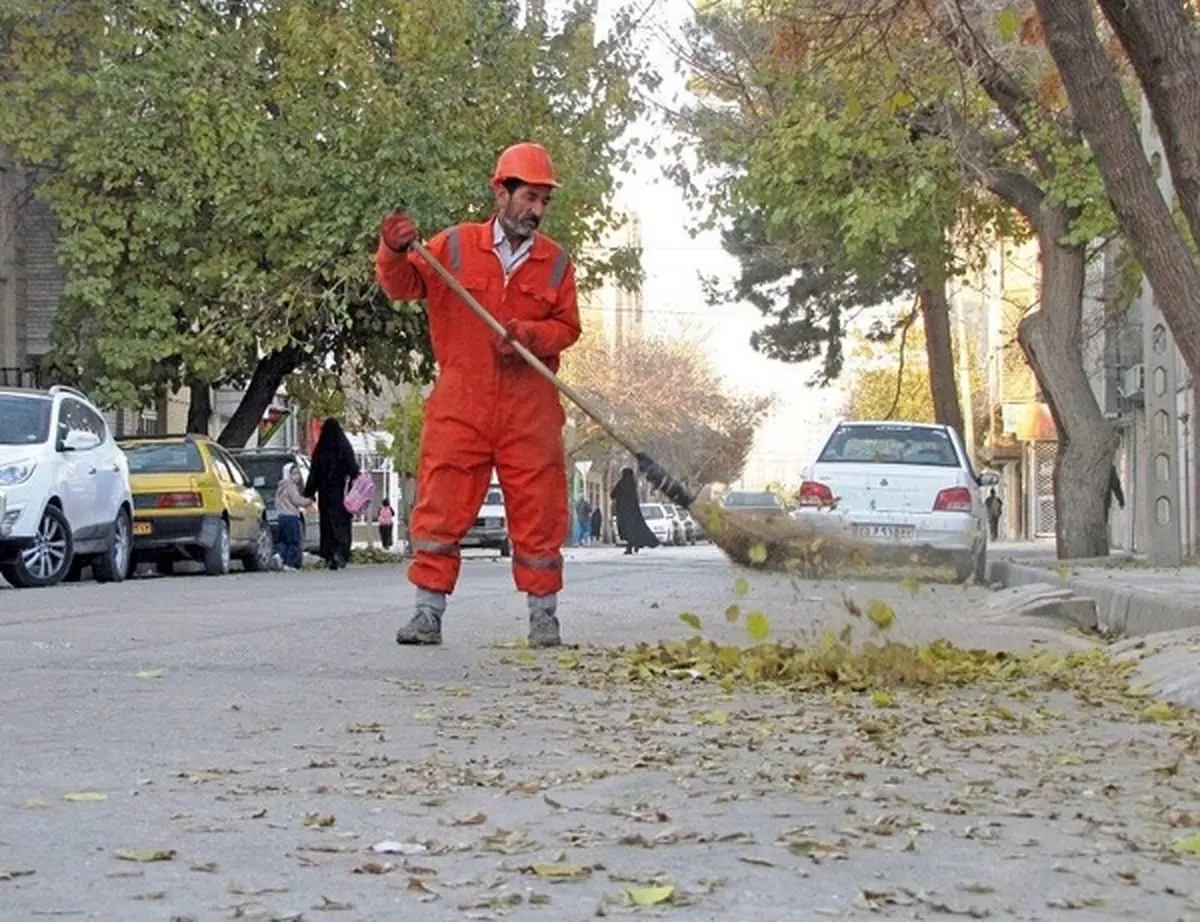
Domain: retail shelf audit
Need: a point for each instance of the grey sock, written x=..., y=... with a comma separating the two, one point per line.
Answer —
x=430, y=600
x=543, y=604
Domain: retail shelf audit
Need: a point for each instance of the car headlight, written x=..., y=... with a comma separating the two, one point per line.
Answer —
x=15, y=472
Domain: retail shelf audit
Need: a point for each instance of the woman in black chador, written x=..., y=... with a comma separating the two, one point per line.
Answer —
x=333, y=468
x=631, y=527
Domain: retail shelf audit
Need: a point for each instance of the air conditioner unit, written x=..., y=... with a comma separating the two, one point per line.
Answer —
x=1133, y=382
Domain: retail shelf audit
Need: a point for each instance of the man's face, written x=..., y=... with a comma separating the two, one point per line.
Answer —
x=522, y=211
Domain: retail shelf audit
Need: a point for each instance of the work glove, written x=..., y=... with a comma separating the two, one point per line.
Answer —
x=520, y=331
x=398, y=231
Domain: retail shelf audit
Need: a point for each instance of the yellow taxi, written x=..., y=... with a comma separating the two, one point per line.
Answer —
x=193, y=501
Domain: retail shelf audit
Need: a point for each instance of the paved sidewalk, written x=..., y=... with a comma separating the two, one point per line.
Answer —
x=1131, y=597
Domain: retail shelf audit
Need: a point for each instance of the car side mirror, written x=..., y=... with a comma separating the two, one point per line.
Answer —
x=79, y=440
x=989, y=479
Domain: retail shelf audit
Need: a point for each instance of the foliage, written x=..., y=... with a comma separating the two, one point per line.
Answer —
x=667, y=396
x=827, y=196
x=403, y=423
x=218, y=170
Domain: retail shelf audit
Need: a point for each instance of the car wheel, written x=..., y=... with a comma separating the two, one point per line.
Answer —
x=981, y=575
x=113, y=565
x=505, y=548
x=964, y=567
x=216, y=558
x=48, y=560
x=264, y=547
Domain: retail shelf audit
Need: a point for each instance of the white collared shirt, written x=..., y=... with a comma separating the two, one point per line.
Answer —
x=510, y=259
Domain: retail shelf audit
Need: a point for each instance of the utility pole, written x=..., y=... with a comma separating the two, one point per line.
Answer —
x=1159, y=502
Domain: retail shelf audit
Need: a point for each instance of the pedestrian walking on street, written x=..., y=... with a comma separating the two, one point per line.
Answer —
x=594, y=525
x=386, y=519
x=290, y=502
x=334, y=466
x=631, y=526
x=994, y=505
x=583, y=520
x=488, y=407
x=1114, y=492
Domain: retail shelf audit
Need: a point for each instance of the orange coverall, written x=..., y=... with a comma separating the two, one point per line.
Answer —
x=487, y=409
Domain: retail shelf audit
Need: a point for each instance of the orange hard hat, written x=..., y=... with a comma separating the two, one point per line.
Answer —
x=527, y=162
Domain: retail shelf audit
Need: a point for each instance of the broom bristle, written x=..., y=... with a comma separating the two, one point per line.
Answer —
x=810, y=546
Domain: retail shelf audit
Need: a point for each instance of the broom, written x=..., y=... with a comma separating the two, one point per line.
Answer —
x=764, y=540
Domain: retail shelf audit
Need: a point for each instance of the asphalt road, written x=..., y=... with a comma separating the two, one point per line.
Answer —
x=261, y=733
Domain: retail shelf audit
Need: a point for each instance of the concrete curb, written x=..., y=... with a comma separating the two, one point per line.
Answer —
x=1120, y=609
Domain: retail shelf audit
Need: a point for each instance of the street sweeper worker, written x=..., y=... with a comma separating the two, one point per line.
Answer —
x=488, y=408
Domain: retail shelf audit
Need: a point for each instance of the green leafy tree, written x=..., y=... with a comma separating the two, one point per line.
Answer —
x=865, y=135
x=218, y=171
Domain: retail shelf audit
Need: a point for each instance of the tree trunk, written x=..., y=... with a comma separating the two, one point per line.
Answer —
x=1162, y=43
x=264, y=383
x=1106, y=123
x=1052, y=340
x=199, y=407
x=939, y=351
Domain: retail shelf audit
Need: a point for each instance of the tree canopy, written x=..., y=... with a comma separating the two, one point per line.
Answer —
x=666, y=394
x=218, y=170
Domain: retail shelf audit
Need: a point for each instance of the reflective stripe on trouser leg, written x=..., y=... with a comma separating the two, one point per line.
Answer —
x=435, y=564
x=538, y=576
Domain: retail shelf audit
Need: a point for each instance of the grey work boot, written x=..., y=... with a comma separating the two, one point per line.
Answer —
x=543, y=623
x=425, y=628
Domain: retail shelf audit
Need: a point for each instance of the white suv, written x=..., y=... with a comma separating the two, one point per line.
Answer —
x=64, y=490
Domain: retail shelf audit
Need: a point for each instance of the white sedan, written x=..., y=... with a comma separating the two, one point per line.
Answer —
x=907, y=488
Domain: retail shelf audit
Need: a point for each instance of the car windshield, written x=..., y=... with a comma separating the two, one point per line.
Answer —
x=164, y=458
x=494, y=498
x=753, y=499
x=24, y=420
x=653, y=511
x=267, y=467
x=890, y=444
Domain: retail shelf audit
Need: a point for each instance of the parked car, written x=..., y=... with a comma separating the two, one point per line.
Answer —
x=264, y=467
x=64, y=490
x=659, y=522
x=903, y=486
x=193, y=501
x=490, y=529
x=678, y=528
x=753, y=501
x=691, y=528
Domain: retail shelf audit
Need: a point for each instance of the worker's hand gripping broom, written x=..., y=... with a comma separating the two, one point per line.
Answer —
x=771, y=541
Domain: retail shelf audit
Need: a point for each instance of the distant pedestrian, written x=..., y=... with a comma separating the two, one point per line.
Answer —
x=289, y=503
x=386, y=519
x=994, y=505
x=631, y=526
x=594, y=525
x=1114, y=491
x=334, y=466
x=583, y=520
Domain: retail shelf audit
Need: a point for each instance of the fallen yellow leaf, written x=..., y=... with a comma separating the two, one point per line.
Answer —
x=650, y=896
x=151, y=674
x=740, y=586
x=560, y=871
x=732, y=613
x=757, y=626
x=910, y=585
x=880, y=614
x=1158, y=711
x=1188, y=845
x=146, y=855
x=85, y=797
x=882, y=699
x=691, y=619
x=758, y=554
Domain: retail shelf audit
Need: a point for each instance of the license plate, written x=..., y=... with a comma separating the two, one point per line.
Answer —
x=895, y=532
x=142, y=528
